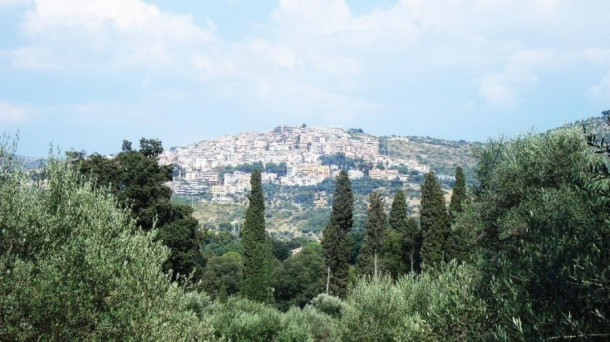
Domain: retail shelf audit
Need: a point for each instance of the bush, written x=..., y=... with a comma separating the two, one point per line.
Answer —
x=223, y=275
x=320, y=326
x=74, y=267
x=299, y=278
x=330, y=305
x=245, y=320
x=545, y=243
x=431, y=307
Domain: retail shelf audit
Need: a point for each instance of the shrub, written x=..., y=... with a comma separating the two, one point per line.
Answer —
x=330, y=305
x=438, y=306
x=74, y=267
x=545, y=243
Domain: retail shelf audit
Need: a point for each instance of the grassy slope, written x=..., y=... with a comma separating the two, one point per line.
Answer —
x=443, y=156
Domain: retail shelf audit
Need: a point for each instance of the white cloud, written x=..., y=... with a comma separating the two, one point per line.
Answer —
x=279, y=55
x=13, y=114
x=601, y=90
x=107, y=34
x=318, y=56
x=12, y=3
x=507, y=88
x=597, y=56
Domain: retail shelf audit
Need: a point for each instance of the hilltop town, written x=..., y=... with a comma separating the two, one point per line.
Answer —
x=289, y=155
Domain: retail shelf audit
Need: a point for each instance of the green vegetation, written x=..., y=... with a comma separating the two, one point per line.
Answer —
x=443, y=156
x=136, y=179
x=435, y=223
x=335, y=243
x=256, y=284
x=525, y=259
x=375, y=236
x=279, y=169
x=545, y=237
x=345, y=163
x=290, y=210
x=395, y=255
x=458, y=196
x=74, y=267
x=223, y=275
x=299, y=278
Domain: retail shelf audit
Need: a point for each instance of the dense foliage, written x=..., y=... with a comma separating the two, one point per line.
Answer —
x=137, y=180
x=223, y=275
x=435, y=222
x=74, y=267
x=532, y=261
x=299, y=278
x=375, y=237
x=459, y=194
x=402, y=246
x=545, y=238
x=335, y=242
x=256, y=284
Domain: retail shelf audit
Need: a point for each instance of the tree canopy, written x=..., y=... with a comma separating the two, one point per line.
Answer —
x=75, y=267
x=435, y=223
x=256, y=284
x=137, y=180
x=335, y=242
x=376, y=226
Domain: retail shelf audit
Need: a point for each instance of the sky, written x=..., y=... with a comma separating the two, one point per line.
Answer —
x=86, y=74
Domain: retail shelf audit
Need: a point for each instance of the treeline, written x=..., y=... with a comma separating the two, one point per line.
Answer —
x=279, y=169
x=523, y=255
x=345, y=163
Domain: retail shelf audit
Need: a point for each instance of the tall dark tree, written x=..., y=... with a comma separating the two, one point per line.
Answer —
x=126, y=146
x=458, y=246
x=459, y=194
x=403, y=244
x=335, y=243
x=257, y=283
x=376, y=224
x=398, y=212
x=435, y=222
x=136, y=179
x=394, y=255
x=412, y=244
x=151, y=148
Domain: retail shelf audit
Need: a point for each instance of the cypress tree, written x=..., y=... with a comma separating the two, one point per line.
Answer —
x=412, y=243
x=256, y=283
x=435, y=222
x=368, y=262
x=403, y=242
x=458, y=246
x=394, y=256
x=459, y=194
x=398, y=212
x=335, y=244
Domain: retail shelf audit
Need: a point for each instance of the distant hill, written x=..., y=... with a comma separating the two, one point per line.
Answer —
x=443, y=156
x=32, y=163
x=597, y=125
x=303, y=208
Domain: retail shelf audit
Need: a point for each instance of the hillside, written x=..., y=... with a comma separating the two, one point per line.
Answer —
x=597, y=125
x=443, y=156
x=299, y=165
x=303, y=210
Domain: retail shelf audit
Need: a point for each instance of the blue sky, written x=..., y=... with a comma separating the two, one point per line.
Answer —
x=86, y=74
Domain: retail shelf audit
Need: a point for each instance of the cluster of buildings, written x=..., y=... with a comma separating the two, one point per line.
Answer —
x=202, y=166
